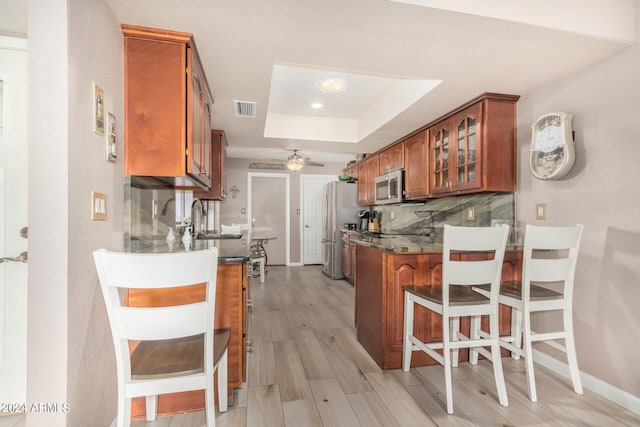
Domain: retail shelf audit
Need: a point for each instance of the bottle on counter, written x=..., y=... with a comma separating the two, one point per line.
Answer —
x=186, y=238
x=171, y=238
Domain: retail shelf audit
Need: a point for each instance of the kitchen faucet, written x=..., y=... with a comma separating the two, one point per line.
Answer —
x=196, y=220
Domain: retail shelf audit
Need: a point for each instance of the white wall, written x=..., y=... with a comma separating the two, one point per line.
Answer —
x=70, y=355
x=48, y=209
x=95, y=55
x=602, y=193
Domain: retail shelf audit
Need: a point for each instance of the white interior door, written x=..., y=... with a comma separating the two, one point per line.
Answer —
x=311, y=221
x=13, y=217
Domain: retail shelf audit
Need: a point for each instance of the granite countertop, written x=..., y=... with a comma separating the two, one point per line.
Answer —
x=399, y=242
x=406, y=243
x=229, y=250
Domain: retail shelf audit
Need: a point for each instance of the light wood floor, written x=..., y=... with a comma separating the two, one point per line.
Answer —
x=307, y=369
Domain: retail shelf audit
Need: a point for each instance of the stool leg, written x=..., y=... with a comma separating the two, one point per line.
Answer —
x=496, y=360
x=446, y=355
x=516, y=330
x=152, y=404
x=455, y=330
x=528, y=355
x=474, y=334
x=570, y=347
x=408, y=332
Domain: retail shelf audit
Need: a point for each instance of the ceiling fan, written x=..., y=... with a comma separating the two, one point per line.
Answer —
x=294, y=162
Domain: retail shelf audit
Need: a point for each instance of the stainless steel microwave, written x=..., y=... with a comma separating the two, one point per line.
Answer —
x=389, y=188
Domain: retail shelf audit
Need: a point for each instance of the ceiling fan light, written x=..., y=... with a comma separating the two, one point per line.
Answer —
x=335, y=85
x=295, y=164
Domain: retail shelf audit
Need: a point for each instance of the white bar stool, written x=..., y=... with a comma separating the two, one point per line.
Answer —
x=550, y=256
x=455, y=299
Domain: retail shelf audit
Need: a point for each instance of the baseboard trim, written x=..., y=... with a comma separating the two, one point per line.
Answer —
x=295, y=264
x=606, y=390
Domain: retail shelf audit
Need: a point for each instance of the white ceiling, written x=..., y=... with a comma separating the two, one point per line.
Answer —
x=246, y=45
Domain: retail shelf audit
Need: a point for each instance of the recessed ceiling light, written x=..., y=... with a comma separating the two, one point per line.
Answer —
x=317, y=105
x=332, y=85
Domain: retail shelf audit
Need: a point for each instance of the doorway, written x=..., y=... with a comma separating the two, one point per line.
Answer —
x=311, y=198
x=268, y=209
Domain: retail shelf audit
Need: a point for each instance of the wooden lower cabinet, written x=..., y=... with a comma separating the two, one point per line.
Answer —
x=380, y=276
x=232, y=292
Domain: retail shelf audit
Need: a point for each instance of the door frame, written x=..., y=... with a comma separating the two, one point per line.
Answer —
x=14, y=324
x=303, y=178
x=286, y=176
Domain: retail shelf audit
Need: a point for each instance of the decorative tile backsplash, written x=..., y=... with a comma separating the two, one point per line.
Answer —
x=141, y=224
x=428, y=218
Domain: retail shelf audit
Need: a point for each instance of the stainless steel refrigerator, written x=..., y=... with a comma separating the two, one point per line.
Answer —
x=340, y=206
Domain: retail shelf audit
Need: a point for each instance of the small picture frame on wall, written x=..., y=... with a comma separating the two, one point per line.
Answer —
x=111, y=137
x=98, y=109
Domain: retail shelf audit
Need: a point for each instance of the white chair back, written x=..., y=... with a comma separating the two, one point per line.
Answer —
x=156, y=271
x=550, y=255
x=119, y=272
x=490, y=244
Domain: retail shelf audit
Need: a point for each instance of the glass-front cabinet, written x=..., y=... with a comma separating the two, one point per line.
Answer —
x=440, y=182
x=472, y=149
x=467, y=166
x=455, y=152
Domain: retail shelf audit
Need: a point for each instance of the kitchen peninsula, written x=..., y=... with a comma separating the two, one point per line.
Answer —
x=383, y=265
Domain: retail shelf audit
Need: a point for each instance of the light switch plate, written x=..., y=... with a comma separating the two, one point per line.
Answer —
x=154, y=209
x=98, y=206
x=541, y=211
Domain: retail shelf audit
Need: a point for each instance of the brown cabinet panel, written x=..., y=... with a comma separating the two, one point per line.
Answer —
x=368, y=170
x=471, y=149
x=352, y=171
x=416, y=171
x=167, y=111
x=218, y=161
x=151, y=149
x=392, y=158
x=369, y=301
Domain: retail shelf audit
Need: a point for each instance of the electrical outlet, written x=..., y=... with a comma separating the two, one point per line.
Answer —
x=471, y=214
x=541, y=211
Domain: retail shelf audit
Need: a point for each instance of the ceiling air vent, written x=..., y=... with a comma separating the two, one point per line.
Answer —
x=245, y=108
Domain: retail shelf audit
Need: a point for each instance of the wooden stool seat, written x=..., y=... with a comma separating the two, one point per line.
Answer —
x=175, y=357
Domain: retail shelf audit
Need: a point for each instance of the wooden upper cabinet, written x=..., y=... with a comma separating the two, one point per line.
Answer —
x=368, y=170
x=167, y=107
x=218, y=160
x=352, y=171
x=473, y=148
x=392, y=158
x=416, y=168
